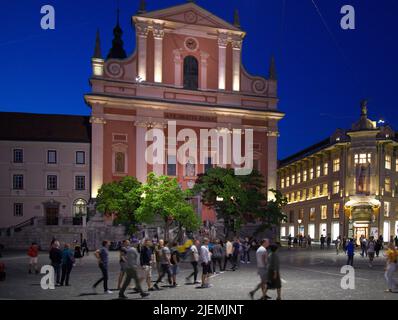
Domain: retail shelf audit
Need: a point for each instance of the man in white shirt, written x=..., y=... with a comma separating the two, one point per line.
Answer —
x=205, y=259
x=262, y=269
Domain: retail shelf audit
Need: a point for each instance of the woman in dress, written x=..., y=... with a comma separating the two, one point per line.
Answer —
x=274, y=278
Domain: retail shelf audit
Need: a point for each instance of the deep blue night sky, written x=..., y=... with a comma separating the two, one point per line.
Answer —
x=322, y=77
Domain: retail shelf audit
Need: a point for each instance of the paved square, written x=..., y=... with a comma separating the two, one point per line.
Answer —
x=306, y=274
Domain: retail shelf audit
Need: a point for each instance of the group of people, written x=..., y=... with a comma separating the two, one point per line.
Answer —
x=299, y=241
x=62, y=259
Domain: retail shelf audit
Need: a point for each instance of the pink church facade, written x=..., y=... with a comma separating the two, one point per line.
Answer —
x=187, y=68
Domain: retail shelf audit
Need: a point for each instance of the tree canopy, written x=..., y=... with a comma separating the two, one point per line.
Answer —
x=162, y=197
x=121, y=198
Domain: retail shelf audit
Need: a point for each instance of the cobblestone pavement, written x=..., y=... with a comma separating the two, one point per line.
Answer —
x=307, y=275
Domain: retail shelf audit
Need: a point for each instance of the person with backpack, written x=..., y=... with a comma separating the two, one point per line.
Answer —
x=78, y=254
x=33, y=254
x=165, y=262
x=205, y=258
x=67, y=264
x=102, y=256
x=132, y=265
x=56, y=261
x=175, y=260
x=217, y=254
x=350, y=252
x=194, y=259
x=147, y=259
x=371, y=250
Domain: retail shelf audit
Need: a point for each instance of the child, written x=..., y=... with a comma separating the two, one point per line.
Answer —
x=33, y=254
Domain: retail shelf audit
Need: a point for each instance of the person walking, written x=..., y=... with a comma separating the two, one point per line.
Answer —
x=328, y=241
x=68, y=261
x=56, y=261
x=205, y=259
x=103, y=260
x=391, y=267
x=350, y=252
x=262, y=270
x=344, y=245
x=78, y=255
x=274, y=277
x=217, y=254
x=194, y=259
x=229, y=251
x=309, y=242
x=33, y=253
x=322, y=242
x=174, y=261
x=378, y=246
x=396, y=241
x=122, y=263
x=132, y=265
x=235, y=254
x=364, y=245
x=337, y=243
x=289, y=241
x=147, y=259
x=85, y=250
x=165, y=256
x=158, y=254
x=371, y=250
x=246, y=253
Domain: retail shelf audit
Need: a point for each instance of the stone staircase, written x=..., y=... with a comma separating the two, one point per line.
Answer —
x=35, y=230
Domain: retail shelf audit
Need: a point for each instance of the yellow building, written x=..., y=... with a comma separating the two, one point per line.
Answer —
x=345, y=185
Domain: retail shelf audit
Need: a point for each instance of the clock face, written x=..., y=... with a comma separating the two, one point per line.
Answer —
x=191, y=44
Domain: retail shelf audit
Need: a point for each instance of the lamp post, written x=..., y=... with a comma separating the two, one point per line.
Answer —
x=299, y=225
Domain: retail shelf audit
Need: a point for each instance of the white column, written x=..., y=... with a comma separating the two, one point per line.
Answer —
x=97, y=154
x=158, y=35
x=142, y=33
x=141, y=165
x=222, y=59
x=272, y=138
x=177, y=68
x=203, y=63
x=236, y=60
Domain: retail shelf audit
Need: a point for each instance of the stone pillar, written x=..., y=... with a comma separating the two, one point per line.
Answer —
x=177, y=68
x=272, y=139
x=203, y=65
x=142, y=33
x=236, y=61
x=97, y=161
x=222, y=59
x=158, y=34
x=141, y=165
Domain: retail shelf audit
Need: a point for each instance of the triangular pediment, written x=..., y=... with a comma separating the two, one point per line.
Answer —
x=190, y=14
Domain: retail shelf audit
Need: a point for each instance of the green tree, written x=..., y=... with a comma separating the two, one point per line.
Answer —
x=272, y=215
x=236, y=199
x=163, y=198
x=121, y=198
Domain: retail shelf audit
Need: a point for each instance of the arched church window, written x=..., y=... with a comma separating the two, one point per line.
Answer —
x=120, y=162
x=80, y=207
x=191, y=73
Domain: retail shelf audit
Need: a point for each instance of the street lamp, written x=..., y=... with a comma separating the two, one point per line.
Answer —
x=299, y=225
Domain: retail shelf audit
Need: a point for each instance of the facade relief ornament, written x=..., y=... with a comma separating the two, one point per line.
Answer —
x=115, y=70
x=158, y=31
x=191, y=17
x=97, y=120
x=149, y=123
x=237, y=42
x=142, y=29
x=222, y=39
